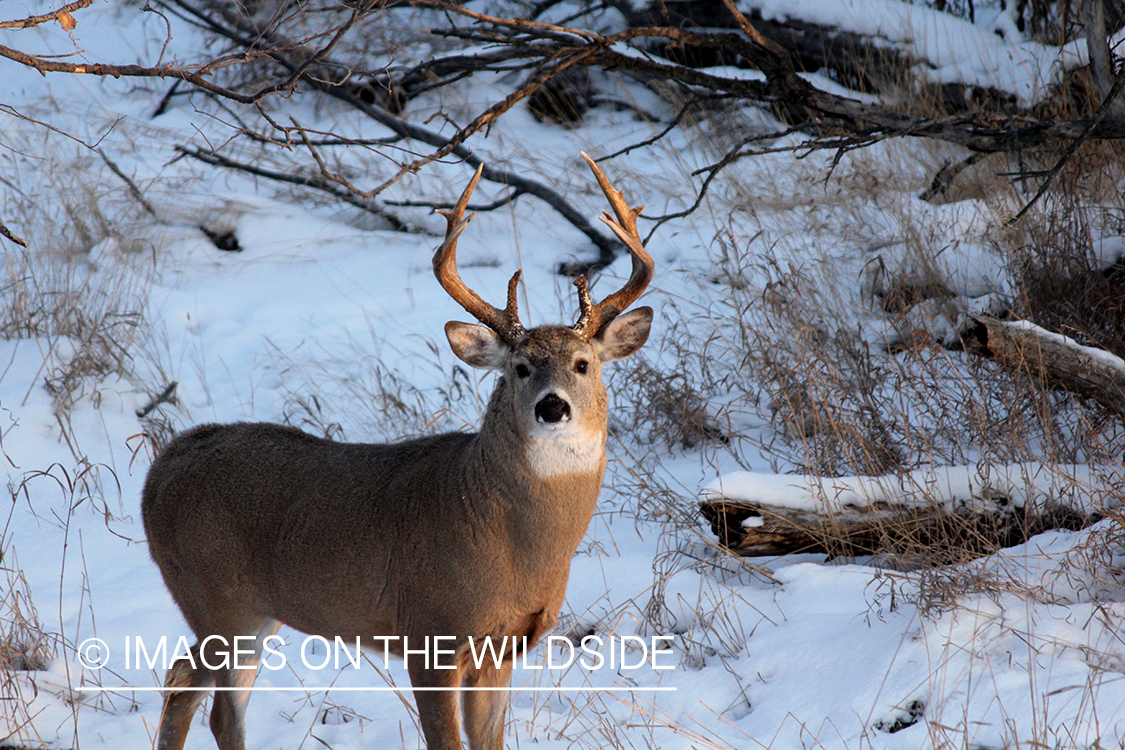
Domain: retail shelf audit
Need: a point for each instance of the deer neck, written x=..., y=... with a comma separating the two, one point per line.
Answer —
x=559, y=469
x=540, y=516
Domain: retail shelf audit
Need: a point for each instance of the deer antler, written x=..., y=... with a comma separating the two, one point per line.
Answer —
x=592, y=317
x=506, y=322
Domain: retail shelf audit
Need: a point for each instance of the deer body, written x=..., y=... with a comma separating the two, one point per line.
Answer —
x=303, y=532
x=460, y=536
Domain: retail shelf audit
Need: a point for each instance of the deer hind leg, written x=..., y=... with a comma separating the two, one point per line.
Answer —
x=180, y=705
x=229, y=707
x=484, y=710
x=438, y=710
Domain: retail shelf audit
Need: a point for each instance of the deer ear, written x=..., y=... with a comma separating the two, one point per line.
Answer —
x=624, y=334
x=477, y=345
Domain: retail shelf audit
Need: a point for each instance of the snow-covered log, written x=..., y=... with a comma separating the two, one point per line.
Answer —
x=976, y=507
x=1057, y=360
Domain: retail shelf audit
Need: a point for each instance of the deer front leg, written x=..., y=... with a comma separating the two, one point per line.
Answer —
x=438, y=710
x=484, y=710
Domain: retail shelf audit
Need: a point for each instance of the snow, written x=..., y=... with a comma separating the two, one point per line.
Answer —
x=332, y=324
x=1082, y=487
x=951, y=49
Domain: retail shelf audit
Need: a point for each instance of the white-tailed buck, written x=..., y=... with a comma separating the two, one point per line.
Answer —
x=457, y=535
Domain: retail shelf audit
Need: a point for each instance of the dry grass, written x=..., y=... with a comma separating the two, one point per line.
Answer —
x=664, y=408
x=76, y=297
x=793, y=365
x=1064, y=287
x=24, y=644
x=79, y=290
x=356, y=390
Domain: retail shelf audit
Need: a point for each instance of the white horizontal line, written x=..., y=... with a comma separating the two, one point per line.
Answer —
x=150, y=689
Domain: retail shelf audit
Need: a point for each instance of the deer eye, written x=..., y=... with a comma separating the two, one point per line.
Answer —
x=522, y=371
x=581, y=366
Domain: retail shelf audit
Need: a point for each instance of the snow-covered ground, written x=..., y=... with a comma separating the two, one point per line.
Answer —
x=327, y=323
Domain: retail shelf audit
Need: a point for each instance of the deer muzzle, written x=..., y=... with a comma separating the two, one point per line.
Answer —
x=552, y=410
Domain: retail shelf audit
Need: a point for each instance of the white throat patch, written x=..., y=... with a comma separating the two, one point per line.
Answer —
x=566, y=450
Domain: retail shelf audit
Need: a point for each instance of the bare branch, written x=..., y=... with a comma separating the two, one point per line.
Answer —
x=754, y=34
x=547, y=51
x=1072, y=148
x=192, y=74
x=128, y=181
x=309, y=181
x=977, y=132
x=59, y=15
x=684, y=110
x=7, y=234
x=478, y=208
x=236, y=29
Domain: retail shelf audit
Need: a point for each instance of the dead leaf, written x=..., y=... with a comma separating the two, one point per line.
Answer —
x=67, y=21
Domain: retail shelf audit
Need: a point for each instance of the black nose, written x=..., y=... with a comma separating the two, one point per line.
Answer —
x=552, y=409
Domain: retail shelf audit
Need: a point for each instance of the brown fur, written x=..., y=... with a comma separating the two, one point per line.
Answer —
x=254, y=525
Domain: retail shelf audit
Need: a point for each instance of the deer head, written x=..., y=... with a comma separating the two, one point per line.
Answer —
x=556, y=368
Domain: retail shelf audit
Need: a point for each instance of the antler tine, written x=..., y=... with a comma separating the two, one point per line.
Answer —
x=585, y=307
x=506, y=322
x=591, y=319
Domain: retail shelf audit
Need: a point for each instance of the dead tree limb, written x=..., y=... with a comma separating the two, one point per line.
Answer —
x=760, y=530
x=868, y=121
x=834, y=121
x=972, y=508
x=1054, y=360
x=547, y=51
x=286, y=52
x=62, y=15
x=8, y=235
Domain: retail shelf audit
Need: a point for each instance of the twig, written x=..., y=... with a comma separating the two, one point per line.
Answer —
x=165, y=396
x=56, y=15
x=511, y=196
x=947, y=174
x=713, y=171
x=317, y=183
x=128, y=181
x=7, y=234
x=162, y=107
x=684, y=110
x=193, y=74
x=748, y=29
x=1100, y=115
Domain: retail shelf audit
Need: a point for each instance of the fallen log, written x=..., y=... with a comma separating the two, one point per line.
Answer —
x=946, y=536
x=945, y=513
x=1056, y=360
